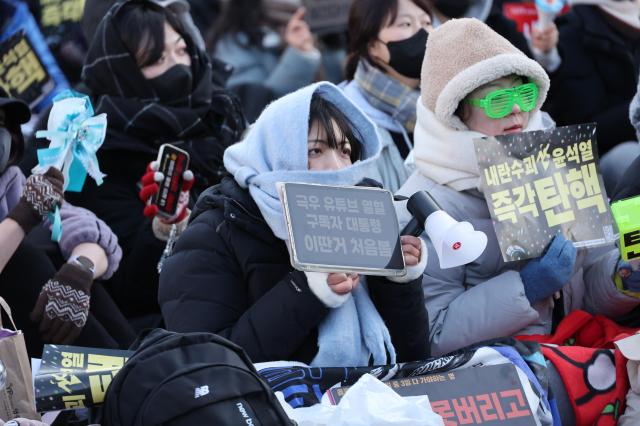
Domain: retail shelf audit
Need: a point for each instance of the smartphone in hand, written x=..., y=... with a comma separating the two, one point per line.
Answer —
x=172, y=163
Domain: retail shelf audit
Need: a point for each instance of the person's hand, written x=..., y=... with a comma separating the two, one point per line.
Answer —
x=40, y=195
x=297, y=33
x=62, y=307
x=332, y=289
x=545, y=39
x=411, y=249
x=415, y=259
x=341, y=283
x=150, y=187
x=545, y=275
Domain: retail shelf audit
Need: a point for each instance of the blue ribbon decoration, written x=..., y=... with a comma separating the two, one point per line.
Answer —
x=75, y=135
x=56, y=221
x=552, y=7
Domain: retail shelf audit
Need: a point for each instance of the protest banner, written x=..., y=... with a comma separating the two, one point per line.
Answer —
x=487, y=395
x=19, y=21
x=538, y=184
x=73, y=377
x=327, y=16
x=22, y=74
x=350, y=229
x=59, y=16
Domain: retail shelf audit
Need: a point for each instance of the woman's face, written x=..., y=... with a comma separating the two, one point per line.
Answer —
x=477, y=121
x=175, y=53
x=321, y=155
x=409, y=20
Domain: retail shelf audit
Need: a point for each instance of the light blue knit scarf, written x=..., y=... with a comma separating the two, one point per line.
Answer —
x=275, y=150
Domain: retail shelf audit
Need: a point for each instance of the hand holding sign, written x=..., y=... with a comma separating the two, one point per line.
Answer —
x=545, y=275
x=541, y=183
x=341, y=283
x=411, y=249
x=343, y=229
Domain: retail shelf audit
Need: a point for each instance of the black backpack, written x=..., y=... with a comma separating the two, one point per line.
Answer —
x=190, y=379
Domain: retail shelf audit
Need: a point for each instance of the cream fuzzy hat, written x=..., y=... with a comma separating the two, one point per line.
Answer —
x=464, y=54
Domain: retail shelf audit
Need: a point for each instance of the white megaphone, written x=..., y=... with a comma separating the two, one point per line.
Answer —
x=456, y=243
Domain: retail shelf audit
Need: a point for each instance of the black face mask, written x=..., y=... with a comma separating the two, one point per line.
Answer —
x=5, y=149
x=453, y=8
x=406, y=55
x=174, y=85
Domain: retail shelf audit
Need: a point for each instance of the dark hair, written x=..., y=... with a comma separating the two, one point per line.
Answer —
x=366, y=19
x=239, y=16
x=17, y=140
x=141, y=28
x=324, y=112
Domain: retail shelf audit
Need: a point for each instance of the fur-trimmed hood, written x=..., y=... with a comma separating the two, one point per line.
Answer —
x=464, y=54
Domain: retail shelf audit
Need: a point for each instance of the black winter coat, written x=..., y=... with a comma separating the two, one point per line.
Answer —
x=230, y=275
x=134, y=286
x=598, y=76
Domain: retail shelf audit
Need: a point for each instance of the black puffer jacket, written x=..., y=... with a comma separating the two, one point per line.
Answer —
x=629, y=185
x=598, y=76
x=230, y=275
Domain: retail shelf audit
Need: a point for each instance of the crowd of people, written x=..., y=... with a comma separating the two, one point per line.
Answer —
x=256, y=98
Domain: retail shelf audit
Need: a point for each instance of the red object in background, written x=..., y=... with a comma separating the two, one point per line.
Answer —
x=595, y=376
x=580, y=328
x=524, y=14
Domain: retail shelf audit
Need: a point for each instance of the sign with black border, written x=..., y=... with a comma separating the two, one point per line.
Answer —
x=343, y=229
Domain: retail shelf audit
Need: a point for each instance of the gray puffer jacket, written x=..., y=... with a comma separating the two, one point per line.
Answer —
x=485, y=299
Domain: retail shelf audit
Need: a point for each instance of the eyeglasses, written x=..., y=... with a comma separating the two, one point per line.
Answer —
x=499, y=103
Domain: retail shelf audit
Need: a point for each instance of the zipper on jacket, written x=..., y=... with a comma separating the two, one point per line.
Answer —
x=260, y=219
x=298, y=289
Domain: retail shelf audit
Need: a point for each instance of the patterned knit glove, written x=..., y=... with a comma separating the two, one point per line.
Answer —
x=40, y=195
x=63, y=305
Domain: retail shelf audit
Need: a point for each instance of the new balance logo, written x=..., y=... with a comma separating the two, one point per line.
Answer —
x=201, y=391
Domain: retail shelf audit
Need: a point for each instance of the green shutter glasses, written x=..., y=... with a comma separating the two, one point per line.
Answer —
x=499, y=103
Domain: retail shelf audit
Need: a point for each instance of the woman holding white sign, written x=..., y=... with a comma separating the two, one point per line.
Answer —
x=490, y=88
x=230, y=273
